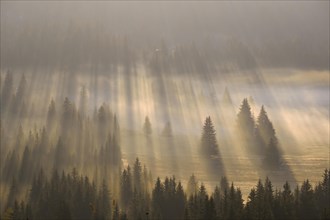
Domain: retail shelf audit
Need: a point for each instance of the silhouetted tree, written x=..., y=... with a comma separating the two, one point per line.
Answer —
x=19, y=100
x=246, y=127
x=137, y=176
x=147, y=126
x=126, y=188
x=61, y=155
x=83, y=102
x=167, y=131
x=192, y=186
x=7, y=91
x=209, y=143
x=307, y=206
x=51, y=115
x=157, y=200
x=322, y=196
x=265, y=129
x=286, y=209
x=26, y=168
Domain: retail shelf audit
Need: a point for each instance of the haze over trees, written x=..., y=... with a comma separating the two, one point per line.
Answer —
x=119, y=192
x=164, y=110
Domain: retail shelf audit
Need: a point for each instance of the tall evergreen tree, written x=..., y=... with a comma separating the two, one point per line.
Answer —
x=322, y=196
x=167, y=131
x=265, y=129
x=192, y=186
x=137, y=176
x=25, y=170
x=18, y=105
x=307, y=206
x=286, y=203
x=246, y=127
x=83, y=102
x=7, y=90
x=51, y=115
x=126, y=187
x=209, y=143
x=147, y=129
x=157, y=199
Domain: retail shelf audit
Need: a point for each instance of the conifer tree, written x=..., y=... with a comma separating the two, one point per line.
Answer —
x=126, y=187
x=25, y=170
x=265, y=129
x=18, y=105
x=167, y=131
x=307, y=206
x=51, y=115
x=147, y=126
x=286, y=203
x=246, y=126
x=209, y=143
x=7, y=90
x=157, y=199
x=137, y=176
x=192, y=186
x=322, y=196
x=83, y=102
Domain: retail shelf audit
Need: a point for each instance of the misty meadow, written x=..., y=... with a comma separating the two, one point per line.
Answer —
x=164, y=110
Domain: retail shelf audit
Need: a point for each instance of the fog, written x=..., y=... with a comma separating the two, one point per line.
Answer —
x=93, y=85
x=278, y=34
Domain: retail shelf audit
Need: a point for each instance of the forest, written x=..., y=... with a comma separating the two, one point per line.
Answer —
x=44, y=183
x=164, y=110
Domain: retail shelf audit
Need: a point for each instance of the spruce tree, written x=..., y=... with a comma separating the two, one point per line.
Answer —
x=7, y=90
x=83, y=102
x=265, y=129
x=192, y=185
x=167, y=131
x=126, y=187
x=137, y=176
x=147, y=126
x=286, y=203
x=209, y=143
x=246, y=127
x=307, y=208
x=51, y=115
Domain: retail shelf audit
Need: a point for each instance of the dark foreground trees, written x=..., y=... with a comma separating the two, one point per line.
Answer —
x=73, y=196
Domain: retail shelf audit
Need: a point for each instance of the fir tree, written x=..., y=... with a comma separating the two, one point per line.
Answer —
x=7, y=90
x=307, y=206
x=265, y=127
x=192, y=186
x=246, y=127
x=209, y=143
x=147, y=126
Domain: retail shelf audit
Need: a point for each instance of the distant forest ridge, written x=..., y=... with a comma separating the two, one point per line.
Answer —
x=109, y=52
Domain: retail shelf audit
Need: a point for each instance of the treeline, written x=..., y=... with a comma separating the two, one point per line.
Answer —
x=73, y=196
x=104, y=52
x=73, y=47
